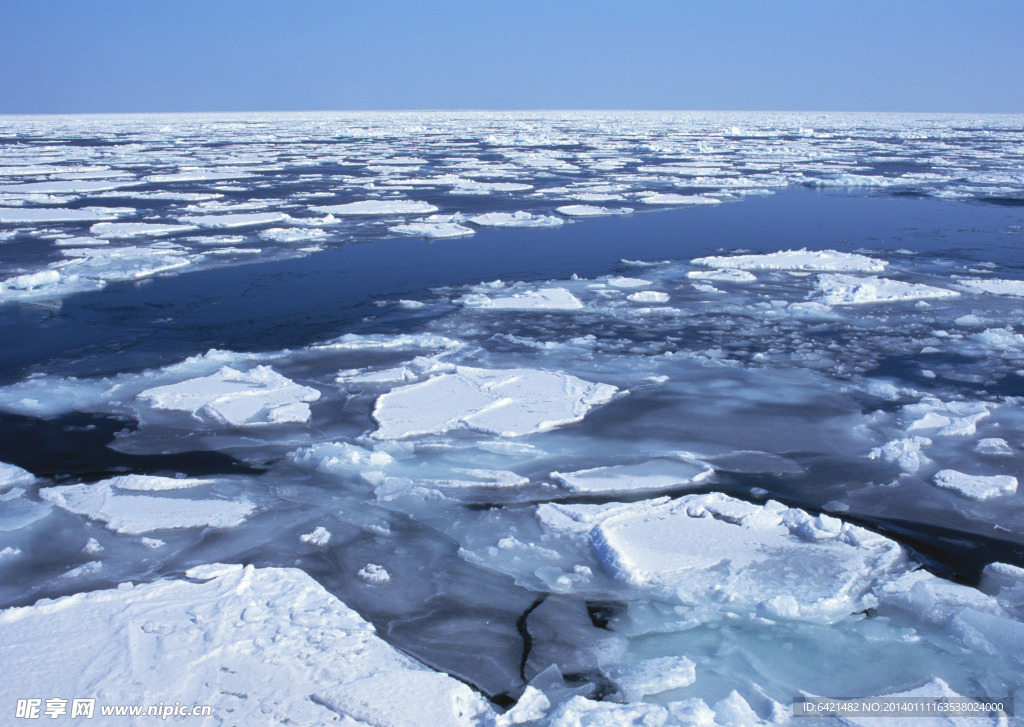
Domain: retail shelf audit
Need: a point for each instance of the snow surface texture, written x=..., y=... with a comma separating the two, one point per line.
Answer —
x=287, y=653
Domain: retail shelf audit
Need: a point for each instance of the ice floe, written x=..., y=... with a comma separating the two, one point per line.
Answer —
x=257, y=397
x=35, y=215
x=976, y=487
x=853, y=290
x=515, y=219
x=810, y=260
x=545, y=299
x=379, y=207
x=652, y=475
x=141, y=514
x=504, y=402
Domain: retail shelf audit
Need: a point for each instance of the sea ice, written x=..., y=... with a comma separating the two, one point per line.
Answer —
x=14, y=476
x=586, y=210
x=433, y=229
x=34, y=215
x=265, y=646
x=652, y=475
x=515, y=219
x=137, y=229
x=504, y=402
x=141, y=514
x=976, y=487
x=713, y=549
x=260, y=396
x=545, y=299
x=853, y=290
x=379, y=207
x=648, y=296
x=678, y=199
x=235, y=220
x=994, y=286
x=723, y=275
x=809, y=260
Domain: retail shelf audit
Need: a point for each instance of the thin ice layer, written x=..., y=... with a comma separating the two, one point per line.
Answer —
x=655, y=474
x=504, y=402
x=266, y=646
x=240, y=399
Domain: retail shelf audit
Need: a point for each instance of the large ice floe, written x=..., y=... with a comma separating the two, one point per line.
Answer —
x=679, y=491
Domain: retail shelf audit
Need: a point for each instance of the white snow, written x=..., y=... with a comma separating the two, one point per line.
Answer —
x=976, y=487
x=853, y=290
x=637, y=679
x=374, y=574
x=504, y=402
x=809, y=260
x=652, y=475
x=264, y=646
x=907, y=453
x=260, y=396
x=140, y=514
x=379, y=207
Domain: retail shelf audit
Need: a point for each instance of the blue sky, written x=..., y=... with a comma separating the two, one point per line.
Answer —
x=64, y=56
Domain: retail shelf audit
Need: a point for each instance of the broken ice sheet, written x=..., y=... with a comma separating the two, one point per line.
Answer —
x=506, y=402
x=106, y=502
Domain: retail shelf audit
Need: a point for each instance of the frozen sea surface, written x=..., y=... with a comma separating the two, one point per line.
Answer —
x=596, y=418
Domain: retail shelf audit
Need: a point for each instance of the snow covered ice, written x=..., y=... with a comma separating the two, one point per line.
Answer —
x=496, y=419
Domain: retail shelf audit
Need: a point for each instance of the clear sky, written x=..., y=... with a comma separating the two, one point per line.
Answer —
x=64, y=56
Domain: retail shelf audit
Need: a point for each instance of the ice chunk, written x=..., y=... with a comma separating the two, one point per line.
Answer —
x=140, y=514
x=379, y=207
x=810, y=260
x=1001, y=339
x=505, y=402
x=260, y=396
x=515, y=219
x=648, y=296
x=852, y=290
x=723, y=275
x=33, y=215
x=14, y=476
x=637, y=679
x=994, y=286
x=137, y=229
x=994, y=446
x=976, y=487
x=586, y=210
x=319, y=537
x=433, y=229
x=906, y=453
x=374, y=574
x=275, y=645
x=667, y=198
x=150, y=483
x=779, y=562
x=32, y=281
x=543, y=299
x=656, y=474
x=235, y=220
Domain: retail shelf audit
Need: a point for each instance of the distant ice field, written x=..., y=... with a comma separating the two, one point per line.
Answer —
x=652, y=418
